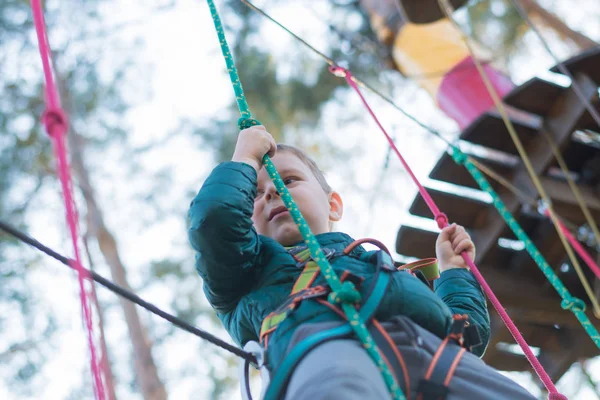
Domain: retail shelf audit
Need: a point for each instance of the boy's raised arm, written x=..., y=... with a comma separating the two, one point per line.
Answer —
x=220, y=218
x=221, y=232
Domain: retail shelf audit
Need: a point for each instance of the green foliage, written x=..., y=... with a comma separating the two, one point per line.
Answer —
x=291, y=103
x=498, y=25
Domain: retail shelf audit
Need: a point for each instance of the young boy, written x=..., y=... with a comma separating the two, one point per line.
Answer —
x=247, y=253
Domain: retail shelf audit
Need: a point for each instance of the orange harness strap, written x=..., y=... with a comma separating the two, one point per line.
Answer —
x=435, y=384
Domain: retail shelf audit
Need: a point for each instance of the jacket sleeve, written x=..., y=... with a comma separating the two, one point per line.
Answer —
x=221, y=231
x=459, y=289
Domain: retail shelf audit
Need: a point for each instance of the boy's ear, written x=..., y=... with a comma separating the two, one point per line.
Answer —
x=336, y=207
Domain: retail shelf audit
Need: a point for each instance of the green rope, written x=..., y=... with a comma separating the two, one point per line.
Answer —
x=576, y=305
x=345, y=294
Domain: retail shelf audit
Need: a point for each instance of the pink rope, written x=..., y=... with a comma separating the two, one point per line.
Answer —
x=585, y=256
x=442, y=221
x=55, y=121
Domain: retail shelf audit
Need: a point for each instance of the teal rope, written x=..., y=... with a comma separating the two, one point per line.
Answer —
x=246, y=120
x=577, y=306
x=344, y=294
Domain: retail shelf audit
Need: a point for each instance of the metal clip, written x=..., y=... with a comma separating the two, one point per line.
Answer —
x=255, y=349
x=542, y=207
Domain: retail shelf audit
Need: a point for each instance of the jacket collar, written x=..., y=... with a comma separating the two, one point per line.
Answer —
x=336, y=241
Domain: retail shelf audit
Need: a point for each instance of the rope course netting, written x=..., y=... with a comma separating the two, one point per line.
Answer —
x=343, y=294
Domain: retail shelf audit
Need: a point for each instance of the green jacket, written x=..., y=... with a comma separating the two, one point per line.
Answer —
x=247, y=275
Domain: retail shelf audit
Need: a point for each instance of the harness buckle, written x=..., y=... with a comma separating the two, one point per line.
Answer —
x=463, y=333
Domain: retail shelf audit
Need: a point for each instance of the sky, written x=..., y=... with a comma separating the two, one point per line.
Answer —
x=188, y=80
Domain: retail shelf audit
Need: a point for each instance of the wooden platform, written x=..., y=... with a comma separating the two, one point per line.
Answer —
x=447, y=170
x=489, y=131
x=535, y=96
x=585, y=63
x=508, y=268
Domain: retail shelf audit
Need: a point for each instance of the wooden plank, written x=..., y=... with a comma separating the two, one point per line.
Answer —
x=558, y=363
x=559, y=124
x=415, y=242
x=529, y=220
x=546, y=240
x=562, y=318
x=489, y=130
x=565, y=203
x=577, y=154
x=535, y=96
x=514, y=290
x=586, y=63
x=497, y=257
x=459, y=209
x=424, y=11
x=587, y=121
x=447, y=170
x=505, y=361
x=568, y=346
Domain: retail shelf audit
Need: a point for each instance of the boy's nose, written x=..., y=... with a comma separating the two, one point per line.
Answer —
x=271, y=192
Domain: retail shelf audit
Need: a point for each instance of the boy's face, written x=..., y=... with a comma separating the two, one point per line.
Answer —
x=272, y=219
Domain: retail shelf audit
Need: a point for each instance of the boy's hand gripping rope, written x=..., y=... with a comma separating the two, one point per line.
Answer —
x=55, y=121
x=344, y=294
x=442, y=222
x=574, y=304
x=447, y=9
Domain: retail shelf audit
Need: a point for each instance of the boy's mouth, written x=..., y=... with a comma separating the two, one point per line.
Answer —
x=276, y=211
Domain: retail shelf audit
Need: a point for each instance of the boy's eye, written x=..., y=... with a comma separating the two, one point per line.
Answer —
x=289, y=180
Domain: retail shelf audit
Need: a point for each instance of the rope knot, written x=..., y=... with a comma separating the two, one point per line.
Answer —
x=458, y=156
x=338, y=71
x=56, y=122
x=346, y=295
x=573, y=304
x=245, y=123
x=442, y=220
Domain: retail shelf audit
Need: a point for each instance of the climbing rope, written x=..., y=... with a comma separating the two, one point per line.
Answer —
x=573, y=186
x=358, y=81
x=585, y=256
x=113, y=287
x=588, y=106
x=447, y=9
x=442, y=222
x=55, y=121
x=472, y=166
x=344, y=294
x=575, y=305
x=578, y=247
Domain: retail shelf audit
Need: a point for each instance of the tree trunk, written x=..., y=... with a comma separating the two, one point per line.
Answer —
x=146, y=373
x=105, y=363
x=552, y=21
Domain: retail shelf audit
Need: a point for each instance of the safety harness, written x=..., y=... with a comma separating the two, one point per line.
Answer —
x=440, y=372
x=462, y=337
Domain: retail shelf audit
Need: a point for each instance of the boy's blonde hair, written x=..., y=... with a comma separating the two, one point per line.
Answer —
x=309, y=162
